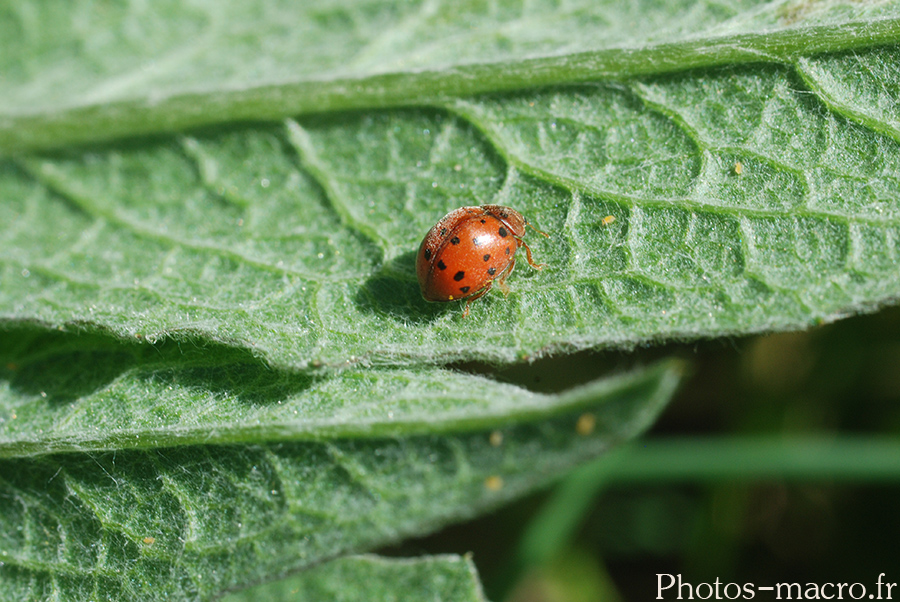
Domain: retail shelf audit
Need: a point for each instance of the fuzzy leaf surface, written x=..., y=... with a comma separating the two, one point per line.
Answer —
x=680, y=206
x=54, y=387
x=434, y=578
x=127, y=518
x=86, y=72
x=218, y=367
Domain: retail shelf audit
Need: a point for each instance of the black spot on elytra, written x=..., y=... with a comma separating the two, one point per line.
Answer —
x=459, y=275
x=483, y=221
x=507, y=250
x=486, y=257
x=442, y=265
x=464, y=289
x=503, y=233
x=427, y=254
x=492, y=271
x=454, y=240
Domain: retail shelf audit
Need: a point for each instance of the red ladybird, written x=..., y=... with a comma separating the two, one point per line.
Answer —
x=468, y=249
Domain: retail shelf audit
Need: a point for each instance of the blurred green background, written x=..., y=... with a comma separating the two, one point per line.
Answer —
x=778, y=461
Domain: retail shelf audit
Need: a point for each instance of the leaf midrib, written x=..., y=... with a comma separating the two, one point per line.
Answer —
x=102, y=122
x=661, y=379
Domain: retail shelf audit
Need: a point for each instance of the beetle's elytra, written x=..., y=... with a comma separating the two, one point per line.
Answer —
x=468, y=250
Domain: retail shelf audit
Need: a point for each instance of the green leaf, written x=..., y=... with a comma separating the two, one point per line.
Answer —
x=149, y=397
x=127, y=518
x=124, y=70
x=297, y=241
x=218, y=367
x=438, y=578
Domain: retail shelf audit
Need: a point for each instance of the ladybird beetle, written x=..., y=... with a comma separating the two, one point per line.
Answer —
x=468, y=249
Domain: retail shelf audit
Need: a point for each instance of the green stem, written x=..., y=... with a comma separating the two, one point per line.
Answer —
x=803, y=457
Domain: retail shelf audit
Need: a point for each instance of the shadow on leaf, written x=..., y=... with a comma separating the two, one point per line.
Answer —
x=65, y=366
x=393, y=291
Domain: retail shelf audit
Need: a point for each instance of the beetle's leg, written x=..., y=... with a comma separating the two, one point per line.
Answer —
x=537, y=266
x=501, y=279
x=529, y=224
x=477, y=295
x=504, y=288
